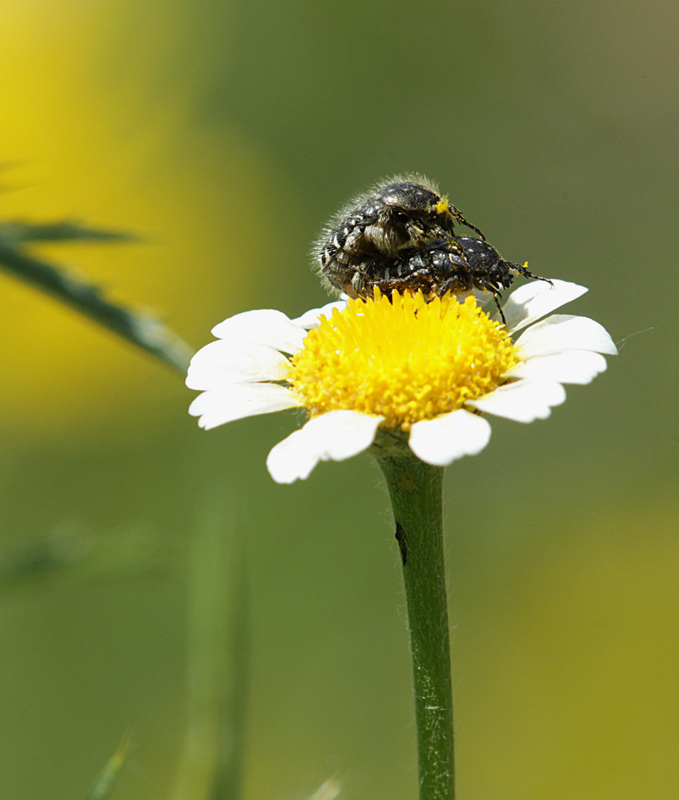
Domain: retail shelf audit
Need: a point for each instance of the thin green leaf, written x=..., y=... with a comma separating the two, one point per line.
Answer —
x=34, y=559
x=328, y=790
x=103, y=788
x=74, y=555
x=212, y=758
x=142, y=330
x=15, y=234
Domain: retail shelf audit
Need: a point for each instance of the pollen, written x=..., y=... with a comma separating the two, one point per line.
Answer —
x=408, y=358
x=443, y=205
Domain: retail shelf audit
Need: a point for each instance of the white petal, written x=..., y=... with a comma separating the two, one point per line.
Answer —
x=292, y=459
x=564, y=332
x=534, y=300
x=228, y=403
x=312, y=317
x=334, y=436
x=222, y=362
x=571, y=366
x=262, y=326
x=442, y=440
x=522, y=401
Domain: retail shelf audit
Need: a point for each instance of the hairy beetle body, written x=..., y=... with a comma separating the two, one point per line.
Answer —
x=401, y=237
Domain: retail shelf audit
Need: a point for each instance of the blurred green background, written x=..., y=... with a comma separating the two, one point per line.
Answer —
x=226, y=133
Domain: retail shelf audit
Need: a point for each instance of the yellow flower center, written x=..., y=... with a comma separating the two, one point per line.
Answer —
x=407, y=359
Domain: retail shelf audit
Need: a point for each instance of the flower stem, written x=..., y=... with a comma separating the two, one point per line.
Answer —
x=416, y=489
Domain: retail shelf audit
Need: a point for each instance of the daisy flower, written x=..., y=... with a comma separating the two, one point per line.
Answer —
x=406, y=371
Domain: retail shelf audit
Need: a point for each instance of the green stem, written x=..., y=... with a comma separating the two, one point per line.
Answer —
x=416, y=489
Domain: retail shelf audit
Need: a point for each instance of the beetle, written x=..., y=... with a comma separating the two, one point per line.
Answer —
x=401, y=237
x=437, y=269
x=369, y=235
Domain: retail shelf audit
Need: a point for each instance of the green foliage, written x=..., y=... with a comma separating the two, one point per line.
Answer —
x=142, y=330
x=105, y=783
x=72, y=554
x=212, y=757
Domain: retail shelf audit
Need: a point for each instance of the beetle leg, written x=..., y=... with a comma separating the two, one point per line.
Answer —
x=413, y=280
x=458, y=217
x=487, y=286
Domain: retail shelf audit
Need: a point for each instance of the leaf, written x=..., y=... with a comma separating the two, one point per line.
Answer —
x=142, y=330
x=15, y=234
x=211, y=765
x=104, y=785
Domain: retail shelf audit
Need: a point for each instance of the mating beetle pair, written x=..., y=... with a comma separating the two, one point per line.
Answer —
x=401, y=237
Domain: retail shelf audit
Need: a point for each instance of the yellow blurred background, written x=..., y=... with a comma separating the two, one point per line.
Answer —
x=225, y=134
